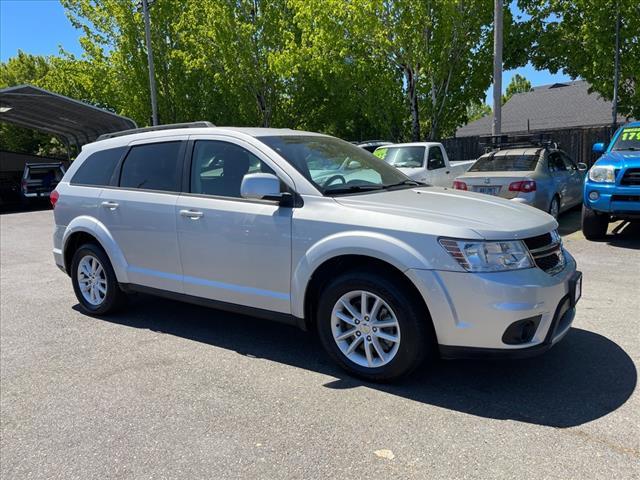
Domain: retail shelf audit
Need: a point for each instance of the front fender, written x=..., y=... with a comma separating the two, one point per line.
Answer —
x=97, y=229
x=371, y=244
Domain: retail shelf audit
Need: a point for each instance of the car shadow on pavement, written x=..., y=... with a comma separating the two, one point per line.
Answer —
x=624, y=235
x=585, y=377
x=570, y=221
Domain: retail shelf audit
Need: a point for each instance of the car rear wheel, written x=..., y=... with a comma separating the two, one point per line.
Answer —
x=373, y=328
x=94, y=281
x=594, y=225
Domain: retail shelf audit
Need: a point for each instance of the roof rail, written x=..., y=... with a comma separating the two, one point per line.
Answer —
x=497, y=142
x=169, y=126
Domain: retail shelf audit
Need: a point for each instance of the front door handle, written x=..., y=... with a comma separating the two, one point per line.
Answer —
x=110, y=205
x=192, y=214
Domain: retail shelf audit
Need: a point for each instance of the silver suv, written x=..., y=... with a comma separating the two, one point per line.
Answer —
x=310, y=230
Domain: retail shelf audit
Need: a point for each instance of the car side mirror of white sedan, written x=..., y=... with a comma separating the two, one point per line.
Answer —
x=582, y=167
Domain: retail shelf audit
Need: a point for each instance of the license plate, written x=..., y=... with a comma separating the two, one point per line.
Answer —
x=488, y=190
x=576, y=288
x=578, y=292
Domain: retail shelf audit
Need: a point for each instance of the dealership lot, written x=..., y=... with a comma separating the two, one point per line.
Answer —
x=168, y=390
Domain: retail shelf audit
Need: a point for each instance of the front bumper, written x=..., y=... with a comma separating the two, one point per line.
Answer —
x=613, y=199
x=471, y=312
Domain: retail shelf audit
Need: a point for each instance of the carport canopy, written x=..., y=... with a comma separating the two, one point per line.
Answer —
x=73, y=121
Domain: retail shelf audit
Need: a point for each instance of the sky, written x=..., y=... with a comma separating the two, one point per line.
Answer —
x=40, y=27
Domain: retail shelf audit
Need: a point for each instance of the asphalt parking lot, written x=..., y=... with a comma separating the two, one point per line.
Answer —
x=168, y=390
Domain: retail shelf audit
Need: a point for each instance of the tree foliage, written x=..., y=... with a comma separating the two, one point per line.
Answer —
x=518, y=84
x=578, y=37
x=358, y=69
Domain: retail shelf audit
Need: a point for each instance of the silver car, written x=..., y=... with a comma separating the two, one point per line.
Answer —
x=545, y=178
x=310, y=230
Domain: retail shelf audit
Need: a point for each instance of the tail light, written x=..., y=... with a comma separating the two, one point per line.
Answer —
x=23, y=186
x=53, y=198
x=523, y=186
x=458, y=185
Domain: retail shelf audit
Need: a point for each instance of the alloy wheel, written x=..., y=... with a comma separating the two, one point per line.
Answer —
x=365, y=329
x=92, y=280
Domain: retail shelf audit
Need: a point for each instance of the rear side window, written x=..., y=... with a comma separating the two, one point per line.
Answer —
x=153, y=166
x=98, y=167
x=436, y=160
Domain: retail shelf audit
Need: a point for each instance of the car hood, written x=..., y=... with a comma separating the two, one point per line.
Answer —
x=620, y=159
x=446, y=212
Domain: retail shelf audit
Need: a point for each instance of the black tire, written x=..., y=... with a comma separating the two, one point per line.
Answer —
x=555, y=200
x=594, y=225
x=417, y=337
x=114, y=298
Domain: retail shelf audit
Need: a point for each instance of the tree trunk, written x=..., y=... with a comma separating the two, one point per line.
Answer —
x=265, y=111
x=412, y=92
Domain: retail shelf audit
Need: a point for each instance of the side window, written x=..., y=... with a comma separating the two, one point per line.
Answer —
x=217, y=168
x=98, y=167
x=555, y=163
x=436, y=159
x=568, y=162
x=152, y=166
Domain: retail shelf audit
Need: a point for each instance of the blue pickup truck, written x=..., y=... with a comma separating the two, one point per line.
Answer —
x=612, y=189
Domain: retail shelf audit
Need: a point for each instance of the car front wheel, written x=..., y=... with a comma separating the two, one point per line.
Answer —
x=372, y=327
x=594, y=225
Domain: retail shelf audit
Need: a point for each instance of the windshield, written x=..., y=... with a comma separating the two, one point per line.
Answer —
x=629, y=139
x=402, y=157
x=514, y=162
x=335, y=166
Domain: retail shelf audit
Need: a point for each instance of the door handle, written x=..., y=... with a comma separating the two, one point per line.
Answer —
x=192, y=214
x=448, y=172
x=110, y=205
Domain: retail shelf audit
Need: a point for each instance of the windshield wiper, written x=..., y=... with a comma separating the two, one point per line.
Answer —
x=631, y=149
x=352, y=189
x=414, y=183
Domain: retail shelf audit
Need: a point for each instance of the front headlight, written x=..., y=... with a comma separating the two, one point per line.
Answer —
x=479, y=256
x=604, y=174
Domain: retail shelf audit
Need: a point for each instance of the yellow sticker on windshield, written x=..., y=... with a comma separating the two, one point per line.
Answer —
x=380, y=153
x=630, y=133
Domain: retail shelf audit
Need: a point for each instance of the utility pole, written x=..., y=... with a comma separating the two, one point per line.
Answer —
x=616, y=75
x=152, y=76
x=497, y=68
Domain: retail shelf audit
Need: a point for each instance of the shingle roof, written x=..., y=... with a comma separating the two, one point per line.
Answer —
x=548, y=107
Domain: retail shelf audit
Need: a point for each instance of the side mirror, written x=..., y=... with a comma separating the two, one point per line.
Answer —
x=583, y=167
x=261, y=186
x=598, y=147
x=354, y=165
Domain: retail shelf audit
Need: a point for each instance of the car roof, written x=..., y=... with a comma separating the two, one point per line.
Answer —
x=255, y=132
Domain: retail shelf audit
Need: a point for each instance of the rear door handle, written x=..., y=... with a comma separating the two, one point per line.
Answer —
x=110, y=205
x=192, y=214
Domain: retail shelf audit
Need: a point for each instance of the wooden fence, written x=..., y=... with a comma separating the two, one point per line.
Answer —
x=577, y=142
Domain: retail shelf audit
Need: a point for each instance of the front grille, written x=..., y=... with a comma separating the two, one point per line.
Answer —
x=540, y=241
x=631, y=177
x=625, y=198
x=546, y=252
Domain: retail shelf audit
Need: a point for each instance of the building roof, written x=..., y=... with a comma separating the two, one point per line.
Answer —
x=76, y=122
x=548, y=107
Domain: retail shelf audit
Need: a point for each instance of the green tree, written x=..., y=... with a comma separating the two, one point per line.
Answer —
x=518, y=84
x=578, y=37
x=477, y=110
